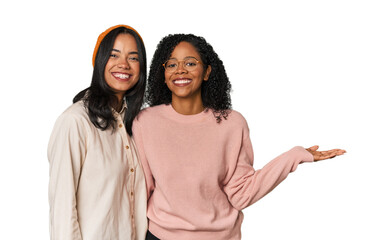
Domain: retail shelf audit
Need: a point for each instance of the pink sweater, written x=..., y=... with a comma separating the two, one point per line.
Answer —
x=199, y=173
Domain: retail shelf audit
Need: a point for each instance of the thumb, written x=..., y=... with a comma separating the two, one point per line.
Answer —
x=314, y=148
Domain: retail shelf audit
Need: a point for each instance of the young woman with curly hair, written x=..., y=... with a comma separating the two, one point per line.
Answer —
x=196, y=151
x=97, y=187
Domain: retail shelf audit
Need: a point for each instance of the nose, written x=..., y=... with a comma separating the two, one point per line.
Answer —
x=180, y=68
x=123, y=63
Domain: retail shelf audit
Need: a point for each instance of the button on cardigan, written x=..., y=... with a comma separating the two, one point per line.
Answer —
x=200, y=174
x=93, y=192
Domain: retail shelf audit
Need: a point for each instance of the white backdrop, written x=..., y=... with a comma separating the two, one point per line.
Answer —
x=295, y=67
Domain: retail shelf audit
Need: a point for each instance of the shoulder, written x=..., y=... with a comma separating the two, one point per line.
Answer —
x=234, y=122
x=151, y=113
x=72, y=128
x=235, y=125
x=236, y=118
x=74, y=115
x=151, y=118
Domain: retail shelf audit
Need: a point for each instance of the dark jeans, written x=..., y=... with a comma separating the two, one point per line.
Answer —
x=150, y=236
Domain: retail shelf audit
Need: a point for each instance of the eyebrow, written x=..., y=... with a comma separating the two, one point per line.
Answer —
x=185, y=57
x=116, y=50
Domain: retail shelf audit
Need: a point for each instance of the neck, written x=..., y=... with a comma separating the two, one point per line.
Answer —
x=118, y=105
x=187, y=106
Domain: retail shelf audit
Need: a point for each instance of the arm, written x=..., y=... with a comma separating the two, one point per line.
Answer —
x=137, y=135
x=246, y=185
x=66, y=152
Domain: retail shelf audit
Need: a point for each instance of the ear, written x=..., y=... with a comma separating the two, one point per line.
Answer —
x=207, y=73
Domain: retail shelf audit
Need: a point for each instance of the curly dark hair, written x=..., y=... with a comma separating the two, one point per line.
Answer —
x=215, y=92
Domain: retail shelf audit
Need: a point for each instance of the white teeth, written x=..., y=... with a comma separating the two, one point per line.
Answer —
x=182, y=81
x=121, y=75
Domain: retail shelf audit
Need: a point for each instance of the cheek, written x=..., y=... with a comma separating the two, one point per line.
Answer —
x=167, y=76
x=137, y=71
x=137, y=67
x=106, y=74
x=108, y=66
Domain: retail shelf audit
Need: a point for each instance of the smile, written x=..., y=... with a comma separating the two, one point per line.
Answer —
x=121, y=76
x=182, y=82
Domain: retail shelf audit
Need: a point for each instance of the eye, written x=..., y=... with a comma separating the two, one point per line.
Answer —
x=133, y=59
x=171, y=64
x=113, y=55
x=190, y=64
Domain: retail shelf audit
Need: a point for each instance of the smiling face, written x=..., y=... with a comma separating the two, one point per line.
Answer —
x=185, y=83
x=122, y=69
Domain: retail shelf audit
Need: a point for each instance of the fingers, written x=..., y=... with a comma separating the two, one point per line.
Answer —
x=340, y=151
x=322, y=155
x=336, y=151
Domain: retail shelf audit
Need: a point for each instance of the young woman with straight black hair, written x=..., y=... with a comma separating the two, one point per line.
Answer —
x=97, y=188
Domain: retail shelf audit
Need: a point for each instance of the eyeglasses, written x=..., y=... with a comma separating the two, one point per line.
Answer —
x=172, y=65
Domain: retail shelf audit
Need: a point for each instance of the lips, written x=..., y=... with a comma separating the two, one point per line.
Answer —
x=121, y=76
x=182, y=81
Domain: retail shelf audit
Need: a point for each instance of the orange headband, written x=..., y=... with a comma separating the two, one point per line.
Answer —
x=103, y=34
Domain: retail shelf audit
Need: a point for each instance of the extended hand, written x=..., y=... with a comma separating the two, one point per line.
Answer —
x=322, y=155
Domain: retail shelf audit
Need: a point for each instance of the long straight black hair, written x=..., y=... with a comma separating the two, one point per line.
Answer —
x=99, y=97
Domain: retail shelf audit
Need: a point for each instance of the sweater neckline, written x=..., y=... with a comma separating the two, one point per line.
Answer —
x=171, y=112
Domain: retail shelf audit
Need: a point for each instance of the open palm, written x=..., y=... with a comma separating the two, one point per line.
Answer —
x=322, y=155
